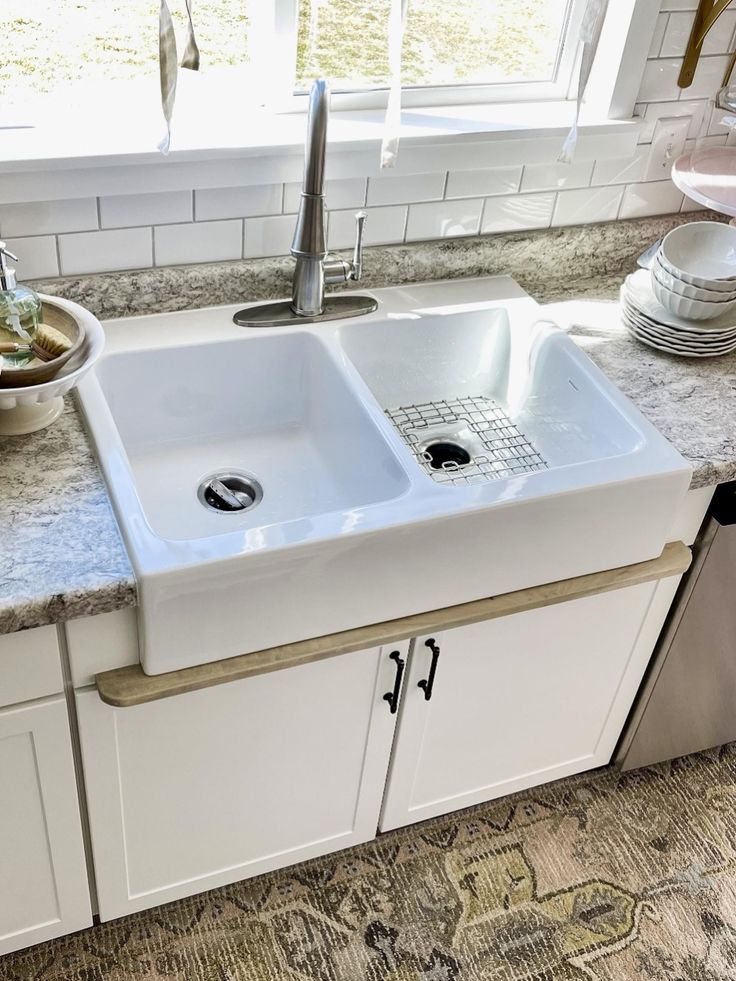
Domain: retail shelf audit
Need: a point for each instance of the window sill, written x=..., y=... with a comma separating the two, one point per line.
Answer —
x=43, y=162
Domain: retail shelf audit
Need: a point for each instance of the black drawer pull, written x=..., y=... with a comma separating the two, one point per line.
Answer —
x=427, y=684
x=392, y=697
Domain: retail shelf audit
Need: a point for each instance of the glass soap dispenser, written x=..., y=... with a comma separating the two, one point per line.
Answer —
x=20, y=313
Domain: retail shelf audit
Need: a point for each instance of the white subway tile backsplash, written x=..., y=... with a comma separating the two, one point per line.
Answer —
x=48, y=217
x=517, y=212
x=36, y=256
x=237, y=202
x=550, y=177
x=689, y=205
x=444, y=218
x=659, y=32
x=343, y=192
x=676, y=36
x=660, y=80
x=679, y=5
x=201, y=241
x=624, y=170
x=654, y=198
x=405, y=189
x=482, y=183
x=268, y=236
x=161, y=208
x=383, y=226
x=708, y=77
x=90, y=252
x=587, y=204
x=680, y=24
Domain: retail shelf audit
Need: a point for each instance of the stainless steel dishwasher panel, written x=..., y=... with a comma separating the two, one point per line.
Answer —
x=688, y=700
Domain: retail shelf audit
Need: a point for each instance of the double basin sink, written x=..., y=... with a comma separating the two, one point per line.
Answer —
x=276, y=485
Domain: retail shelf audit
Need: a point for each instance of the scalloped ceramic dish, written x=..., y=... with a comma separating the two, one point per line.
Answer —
x=29, y=408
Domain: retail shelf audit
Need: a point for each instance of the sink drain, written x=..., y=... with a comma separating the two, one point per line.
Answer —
x=230, y=492
x=444, y=455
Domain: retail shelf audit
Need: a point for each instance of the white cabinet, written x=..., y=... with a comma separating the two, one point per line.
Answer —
x=519, y=700
x=43, y=877
x=201, y=789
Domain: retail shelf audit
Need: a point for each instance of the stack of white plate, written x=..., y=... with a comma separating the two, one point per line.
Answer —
x=652, y=324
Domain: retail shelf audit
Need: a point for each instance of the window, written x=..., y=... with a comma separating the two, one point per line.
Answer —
x=507, y=48
x=80, y=78
x=497, y=44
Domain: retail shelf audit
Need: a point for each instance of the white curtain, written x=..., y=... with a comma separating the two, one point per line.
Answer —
x=392, y=125
x=168, y=63
x=589, y=36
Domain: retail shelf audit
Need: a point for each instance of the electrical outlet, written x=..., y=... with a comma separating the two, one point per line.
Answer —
x=668, y=142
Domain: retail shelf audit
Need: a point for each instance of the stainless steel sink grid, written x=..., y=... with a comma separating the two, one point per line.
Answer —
x=465, y=440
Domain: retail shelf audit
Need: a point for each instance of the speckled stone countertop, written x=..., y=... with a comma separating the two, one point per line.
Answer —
x=61, y=555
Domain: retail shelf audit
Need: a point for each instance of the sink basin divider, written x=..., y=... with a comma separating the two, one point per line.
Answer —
x=128, y=686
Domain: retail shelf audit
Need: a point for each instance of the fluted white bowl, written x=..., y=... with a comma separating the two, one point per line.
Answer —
x=678, y=285
x=702, y=253
x=689, y=309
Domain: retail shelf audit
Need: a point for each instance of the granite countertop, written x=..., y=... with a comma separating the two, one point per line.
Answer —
x=61, y=555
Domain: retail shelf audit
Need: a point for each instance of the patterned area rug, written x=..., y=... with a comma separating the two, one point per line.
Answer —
x=605, y=876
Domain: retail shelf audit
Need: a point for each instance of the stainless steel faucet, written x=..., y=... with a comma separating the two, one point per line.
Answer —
x=314, y=266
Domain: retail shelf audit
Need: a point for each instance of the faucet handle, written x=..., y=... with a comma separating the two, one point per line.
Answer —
x=357, y=265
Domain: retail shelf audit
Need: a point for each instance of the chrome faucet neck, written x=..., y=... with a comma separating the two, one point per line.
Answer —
x=309, y=246
x=314, y=268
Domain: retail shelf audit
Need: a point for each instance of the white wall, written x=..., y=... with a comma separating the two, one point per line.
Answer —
x=87, y=235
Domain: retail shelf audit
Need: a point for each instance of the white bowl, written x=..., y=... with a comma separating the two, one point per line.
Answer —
x=688, y=309
x=702, y=253
x=678, y=285
x=25, y=410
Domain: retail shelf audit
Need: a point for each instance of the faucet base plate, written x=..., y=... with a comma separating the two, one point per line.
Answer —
x=280, y=313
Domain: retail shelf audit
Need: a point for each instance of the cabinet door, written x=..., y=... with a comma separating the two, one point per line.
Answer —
x=43, y=877
x=201, y=789
x=515, y=702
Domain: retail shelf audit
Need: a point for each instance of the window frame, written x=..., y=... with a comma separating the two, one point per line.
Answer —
x=36, y=164
x=421, y=96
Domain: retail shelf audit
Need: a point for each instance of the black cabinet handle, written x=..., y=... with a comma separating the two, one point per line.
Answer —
x=427, y=684
x=392, y=697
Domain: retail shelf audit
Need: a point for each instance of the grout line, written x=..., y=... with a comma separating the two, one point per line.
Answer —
x=445, y=182
x=153, y=248
x=283, y=197
x=58, y=254
x=99, y=213
x=406, y=224
x=658, y=52
x=242, y=239
x=191, y=205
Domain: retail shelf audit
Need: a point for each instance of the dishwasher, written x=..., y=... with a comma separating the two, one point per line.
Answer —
x=687, y=701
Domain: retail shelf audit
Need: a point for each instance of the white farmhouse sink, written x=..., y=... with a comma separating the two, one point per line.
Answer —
x=445, y=448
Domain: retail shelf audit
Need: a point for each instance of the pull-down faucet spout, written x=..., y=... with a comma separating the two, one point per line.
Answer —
x=314, y=268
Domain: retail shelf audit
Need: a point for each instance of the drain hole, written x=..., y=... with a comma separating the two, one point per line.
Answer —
x=230, y=492
x=444, y=455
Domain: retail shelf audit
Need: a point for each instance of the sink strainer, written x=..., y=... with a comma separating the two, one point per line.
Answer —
x=444, y=454
x=230, y=492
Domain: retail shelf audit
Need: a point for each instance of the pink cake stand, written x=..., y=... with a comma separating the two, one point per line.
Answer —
x=708, y=176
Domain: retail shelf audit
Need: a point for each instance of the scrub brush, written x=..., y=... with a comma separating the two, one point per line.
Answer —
x=48, y=343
